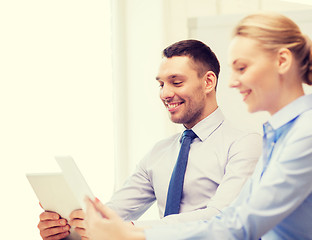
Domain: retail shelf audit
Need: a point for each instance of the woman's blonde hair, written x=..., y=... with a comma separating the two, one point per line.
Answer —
x=275, y=31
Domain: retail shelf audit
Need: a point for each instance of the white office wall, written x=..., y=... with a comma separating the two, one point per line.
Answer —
x=179, y=11
x=145, y=115
x=55, y=99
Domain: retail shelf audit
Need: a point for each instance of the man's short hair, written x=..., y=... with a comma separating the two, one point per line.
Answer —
x=203, y=57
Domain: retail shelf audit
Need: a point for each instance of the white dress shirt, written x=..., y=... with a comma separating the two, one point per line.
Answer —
x=220, y=161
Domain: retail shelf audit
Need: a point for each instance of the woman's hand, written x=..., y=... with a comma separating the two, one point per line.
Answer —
x=103, y=223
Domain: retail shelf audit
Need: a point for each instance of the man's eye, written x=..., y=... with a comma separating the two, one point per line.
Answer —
x=177, y=83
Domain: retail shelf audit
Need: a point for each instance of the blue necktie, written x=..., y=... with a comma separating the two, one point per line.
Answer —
x=177, y=178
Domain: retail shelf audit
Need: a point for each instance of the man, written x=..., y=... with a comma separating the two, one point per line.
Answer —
x=220, y=158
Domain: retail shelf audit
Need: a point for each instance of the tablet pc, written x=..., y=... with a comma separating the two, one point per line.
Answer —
x=61, y=192
x=54, y=193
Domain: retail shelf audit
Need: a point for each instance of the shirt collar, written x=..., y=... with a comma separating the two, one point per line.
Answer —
x=208, y=125
x=291, y=111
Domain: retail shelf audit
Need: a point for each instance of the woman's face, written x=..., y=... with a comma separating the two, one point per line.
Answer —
x=255, y=74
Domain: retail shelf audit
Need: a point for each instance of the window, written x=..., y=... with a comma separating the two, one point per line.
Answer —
x=55, y=99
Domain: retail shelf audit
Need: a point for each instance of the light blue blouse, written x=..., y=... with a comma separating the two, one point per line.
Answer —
x=276, y=202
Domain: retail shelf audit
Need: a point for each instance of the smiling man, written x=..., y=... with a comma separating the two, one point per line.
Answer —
x=187, y=90
x=220, y=157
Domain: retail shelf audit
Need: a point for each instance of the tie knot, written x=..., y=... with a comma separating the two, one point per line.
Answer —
x=188, y=134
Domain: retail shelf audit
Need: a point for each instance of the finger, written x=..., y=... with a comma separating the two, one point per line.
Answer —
x=105, y=211
x=81, y=231
x=51, y=223
x=91, y=212
x=80, y=214
x=49, y=216
x=77, y=223
x=53, y=232
x=57, y=237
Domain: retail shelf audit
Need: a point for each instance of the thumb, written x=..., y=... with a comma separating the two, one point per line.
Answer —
x=91, y=211
x=105, y=211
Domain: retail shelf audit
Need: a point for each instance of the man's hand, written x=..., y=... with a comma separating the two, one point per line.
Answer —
x=77, y=220
x=52, y=226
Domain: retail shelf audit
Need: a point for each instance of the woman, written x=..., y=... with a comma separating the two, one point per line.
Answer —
x=270, y=60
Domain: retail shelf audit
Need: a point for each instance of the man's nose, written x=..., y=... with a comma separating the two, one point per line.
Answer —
x=166, y=92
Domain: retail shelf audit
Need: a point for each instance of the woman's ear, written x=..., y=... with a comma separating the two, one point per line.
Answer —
x=210, y=81
x=285, y=59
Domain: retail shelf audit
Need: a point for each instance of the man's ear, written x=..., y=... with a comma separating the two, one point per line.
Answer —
x=210, y=81
x=285, y=59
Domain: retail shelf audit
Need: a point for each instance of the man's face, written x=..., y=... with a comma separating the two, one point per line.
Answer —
x=182, y=91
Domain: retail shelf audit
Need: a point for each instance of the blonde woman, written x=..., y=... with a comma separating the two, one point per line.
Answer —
x=270, y=60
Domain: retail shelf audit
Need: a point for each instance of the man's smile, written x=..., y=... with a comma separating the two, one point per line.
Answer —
x=173, y=106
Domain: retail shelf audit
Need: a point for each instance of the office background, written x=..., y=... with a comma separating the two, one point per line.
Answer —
x=78, y=78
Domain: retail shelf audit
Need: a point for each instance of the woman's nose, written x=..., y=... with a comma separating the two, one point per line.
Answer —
x=233, y=81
